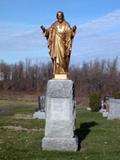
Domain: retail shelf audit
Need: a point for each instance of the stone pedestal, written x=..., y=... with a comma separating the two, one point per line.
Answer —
x=60, y=116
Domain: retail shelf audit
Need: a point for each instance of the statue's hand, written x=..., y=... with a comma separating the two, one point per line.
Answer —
x=43, y=28
x=74, y=28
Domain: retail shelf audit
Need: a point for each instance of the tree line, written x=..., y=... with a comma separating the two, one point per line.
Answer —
x=95, y=76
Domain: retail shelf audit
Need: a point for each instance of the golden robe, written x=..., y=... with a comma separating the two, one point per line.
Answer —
x=60, y=37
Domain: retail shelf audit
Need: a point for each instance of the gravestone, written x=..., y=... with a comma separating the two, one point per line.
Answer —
x=114, y=109
x=60, y=116
x=104, y=106
x=41, y=103
x=40, y=111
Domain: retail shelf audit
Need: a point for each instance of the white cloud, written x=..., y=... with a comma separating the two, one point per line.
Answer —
x=16, y=37
x=99, y=38
x=101, y=24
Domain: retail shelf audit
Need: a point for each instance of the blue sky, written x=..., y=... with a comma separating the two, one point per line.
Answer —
x=98, y=28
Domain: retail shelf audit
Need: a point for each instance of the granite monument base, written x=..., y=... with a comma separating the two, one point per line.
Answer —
x=60, y=117
x=60, y=144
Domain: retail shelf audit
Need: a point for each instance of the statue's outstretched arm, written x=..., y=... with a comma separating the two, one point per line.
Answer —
x=74, y=28
x=43, y=28
x=45, y=31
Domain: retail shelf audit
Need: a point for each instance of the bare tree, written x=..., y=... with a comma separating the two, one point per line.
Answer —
x=95, y=76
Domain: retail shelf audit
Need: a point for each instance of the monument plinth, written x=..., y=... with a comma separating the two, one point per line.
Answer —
x=60, y=116
x=60, y=76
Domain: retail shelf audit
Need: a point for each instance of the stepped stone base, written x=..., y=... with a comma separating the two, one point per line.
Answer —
x=60, y=116
x=60, y=144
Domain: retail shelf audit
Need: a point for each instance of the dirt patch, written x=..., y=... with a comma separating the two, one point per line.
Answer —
x=23, y=116
x=19, y=128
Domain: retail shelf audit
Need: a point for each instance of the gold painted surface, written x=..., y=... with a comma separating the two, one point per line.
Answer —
x=60, y=36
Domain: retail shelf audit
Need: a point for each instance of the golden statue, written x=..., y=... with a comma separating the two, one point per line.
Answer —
x=60, y=36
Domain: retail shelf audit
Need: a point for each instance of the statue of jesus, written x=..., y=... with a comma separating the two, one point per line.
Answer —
x=60, y=36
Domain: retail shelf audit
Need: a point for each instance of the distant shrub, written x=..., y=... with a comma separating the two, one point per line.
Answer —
x=94, y=102
x=116, y=95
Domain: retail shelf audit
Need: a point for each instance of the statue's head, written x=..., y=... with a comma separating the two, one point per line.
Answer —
x=60, y=16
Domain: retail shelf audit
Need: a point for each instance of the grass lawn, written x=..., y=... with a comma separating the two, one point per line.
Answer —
x=21, y=136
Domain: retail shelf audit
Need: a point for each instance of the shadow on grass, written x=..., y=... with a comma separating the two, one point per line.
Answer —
x=83, y=131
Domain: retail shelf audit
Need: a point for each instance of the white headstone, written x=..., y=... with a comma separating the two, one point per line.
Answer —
x=114, y=108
